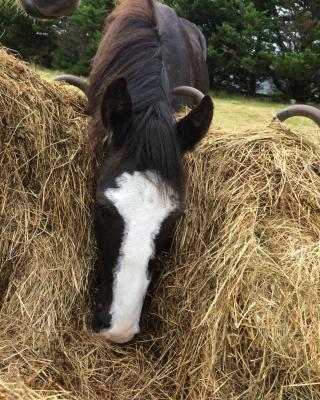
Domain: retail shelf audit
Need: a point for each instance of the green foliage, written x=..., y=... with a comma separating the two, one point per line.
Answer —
x=238, y=37
x=250, y=41
x=297, y=74
x=295, y=65
x=32, y=39
x=79, y=36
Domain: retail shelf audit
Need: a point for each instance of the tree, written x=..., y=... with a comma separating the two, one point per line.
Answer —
x=238, y=38
x=34, y=40
x=295, y=61
x=249, y=41
x=79, y=36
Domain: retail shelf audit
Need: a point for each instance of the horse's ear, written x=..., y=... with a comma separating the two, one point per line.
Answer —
x=193, y=127
x=116, y=105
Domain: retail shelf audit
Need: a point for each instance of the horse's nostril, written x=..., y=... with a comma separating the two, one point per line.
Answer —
x=122, y=332
x=101, y=321
x=115, y=338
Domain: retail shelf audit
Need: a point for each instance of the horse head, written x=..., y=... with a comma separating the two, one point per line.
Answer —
x=140, y=196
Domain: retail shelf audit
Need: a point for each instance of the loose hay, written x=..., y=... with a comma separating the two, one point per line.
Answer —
x=236, y=313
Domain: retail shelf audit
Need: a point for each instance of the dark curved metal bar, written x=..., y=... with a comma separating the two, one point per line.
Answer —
x=74, y=81
x=188, y=91
x=299, y=110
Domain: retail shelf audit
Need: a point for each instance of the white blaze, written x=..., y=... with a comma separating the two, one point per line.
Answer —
x=143, y=208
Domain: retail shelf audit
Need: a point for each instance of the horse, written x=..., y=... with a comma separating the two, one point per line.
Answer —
x=142, y=181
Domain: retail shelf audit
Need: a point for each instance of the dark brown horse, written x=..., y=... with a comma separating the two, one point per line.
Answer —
x=141, y=188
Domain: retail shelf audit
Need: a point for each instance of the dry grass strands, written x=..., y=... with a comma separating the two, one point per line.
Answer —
x=236, y=313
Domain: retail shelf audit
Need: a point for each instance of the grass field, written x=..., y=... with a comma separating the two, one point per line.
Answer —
x=238, y=113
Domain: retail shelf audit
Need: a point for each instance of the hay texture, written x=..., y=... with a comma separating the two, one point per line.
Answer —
x=236, y=313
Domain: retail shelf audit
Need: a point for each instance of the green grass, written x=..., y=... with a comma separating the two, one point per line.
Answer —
x=239, y=113
x=49, y=74
x=46, y=73
x=234, y=112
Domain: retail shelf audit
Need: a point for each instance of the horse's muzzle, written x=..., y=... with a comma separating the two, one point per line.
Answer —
x=36, y=8
x=30, y=8
x=119, y=333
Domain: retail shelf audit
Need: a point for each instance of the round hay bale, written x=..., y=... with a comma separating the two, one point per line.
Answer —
x=236, y=311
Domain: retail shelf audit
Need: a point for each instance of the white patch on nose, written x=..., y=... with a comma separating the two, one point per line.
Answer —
x=120, y=333
x=143, y=207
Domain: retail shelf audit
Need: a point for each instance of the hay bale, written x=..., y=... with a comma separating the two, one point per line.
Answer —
x=251, y=269
x=236, y=313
